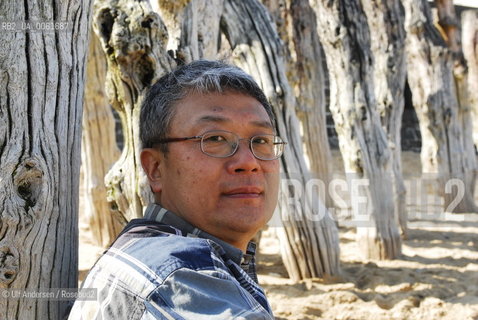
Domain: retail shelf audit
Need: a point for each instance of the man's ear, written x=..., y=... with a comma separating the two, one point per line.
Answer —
x=152, y=161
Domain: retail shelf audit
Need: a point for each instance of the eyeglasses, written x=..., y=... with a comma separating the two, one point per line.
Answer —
x=223, y=144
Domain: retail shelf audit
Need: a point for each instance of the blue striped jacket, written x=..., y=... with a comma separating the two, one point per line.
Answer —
x=161, y=267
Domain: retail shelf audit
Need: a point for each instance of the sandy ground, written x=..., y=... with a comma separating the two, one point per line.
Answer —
x=436, y=277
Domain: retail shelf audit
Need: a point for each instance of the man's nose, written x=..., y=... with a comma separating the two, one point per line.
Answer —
x=243, y=160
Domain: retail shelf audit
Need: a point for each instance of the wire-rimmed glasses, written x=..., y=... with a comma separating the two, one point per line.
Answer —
x=223, y=144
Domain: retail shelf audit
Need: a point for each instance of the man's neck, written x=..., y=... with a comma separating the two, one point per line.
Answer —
x=157, y=213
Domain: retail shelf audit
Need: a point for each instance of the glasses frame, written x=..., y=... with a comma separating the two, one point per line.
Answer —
x=234, y=150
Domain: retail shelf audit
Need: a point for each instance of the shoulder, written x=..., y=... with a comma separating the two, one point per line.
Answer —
x=155, y=251
x=163, y=254
x=204, y=294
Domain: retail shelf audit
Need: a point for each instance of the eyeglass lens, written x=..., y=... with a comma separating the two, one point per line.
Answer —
x=224, y=144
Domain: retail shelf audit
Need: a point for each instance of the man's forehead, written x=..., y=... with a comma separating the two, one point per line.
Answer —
x=198, y=109
x=224, y=119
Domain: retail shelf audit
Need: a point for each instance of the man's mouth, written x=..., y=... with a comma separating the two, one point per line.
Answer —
x=244, y=192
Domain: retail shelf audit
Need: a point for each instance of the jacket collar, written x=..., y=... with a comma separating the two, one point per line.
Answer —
x=156, y=213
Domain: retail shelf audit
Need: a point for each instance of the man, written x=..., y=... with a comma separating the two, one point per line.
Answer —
x=211, y=157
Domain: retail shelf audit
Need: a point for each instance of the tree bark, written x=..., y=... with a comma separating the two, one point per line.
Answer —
x=99, y=150
x=309, y=238
x=41, y=95
x=297, y=27
x=344, y=34
x=450, y=25
x=445, y=149
x=134, y=39
x=469, y=20
x=193, y=27
x=386, y=19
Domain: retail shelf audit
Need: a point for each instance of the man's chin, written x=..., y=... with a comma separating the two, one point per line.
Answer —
x=247, y=223
x=239, y=201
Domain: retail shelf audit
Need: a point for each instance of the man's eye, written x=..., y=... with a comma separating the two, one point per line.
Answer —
x=262, y=140
x=216, y=138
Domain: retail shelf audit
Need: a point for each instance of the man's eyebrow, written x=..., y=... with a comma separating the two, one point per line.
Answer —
x=263, y=124
x=210, y=118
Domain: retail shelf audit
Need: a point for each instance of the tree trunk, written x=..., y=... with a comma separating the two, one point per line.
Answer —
x=99, y=150
x=469, y=20
x=134, y=40
x=451, y=27
x=444, y=146
x=297, y=27
x=386, y=18
x=193, y=27
x=344, y=33
x=309, y=238
x=41, y=96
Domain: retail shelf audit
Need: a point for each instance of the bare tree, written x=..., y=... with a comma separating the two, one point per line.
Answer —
x=345, y=36
x=134, y=39
x=445, y=149
x=99, y=150
x=297, y=26
x=41, y=96
x=386, y=19
x=450, y=25
x=469, y=20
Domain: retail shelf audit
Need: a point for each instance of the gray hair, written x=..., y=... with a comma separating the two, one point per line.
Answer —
x=201, y=76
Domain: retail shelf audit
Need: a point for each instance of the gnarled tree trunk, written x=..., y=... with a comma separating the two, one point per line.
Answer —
x=41, y=96
x=450, y=25
x=99, y=150
x=385, y=19
x=134, y=40
x=309, y=240
x=344, y=33
x=469, y=21
x=444, y=151
x=297, y=27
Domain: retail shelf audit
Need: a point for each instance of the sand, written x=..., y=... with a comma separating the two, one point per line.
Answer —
x=436, y=277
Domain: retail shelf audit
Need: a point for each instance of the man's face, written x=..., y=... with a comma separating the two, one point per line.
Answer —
x=230, y=198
